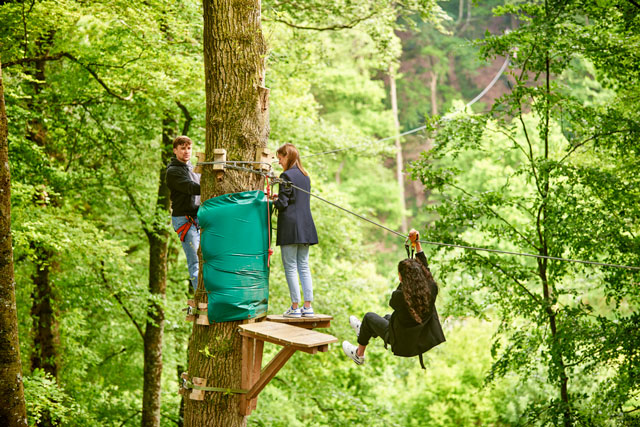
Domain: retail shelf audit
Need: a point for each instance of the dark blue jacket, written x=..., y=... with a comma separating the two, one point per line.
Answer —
x=295, y=224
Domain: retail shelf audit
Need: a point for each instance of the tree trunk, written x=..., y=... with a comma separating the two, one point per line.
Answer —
x=236, y=120
x=399, y=161
x=433, y=85
x=158, y=236
x=12, y=406
x=45, y=326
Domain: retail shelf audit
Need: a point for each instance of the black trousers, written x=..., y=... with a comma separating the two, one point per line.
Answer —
x=373, y=326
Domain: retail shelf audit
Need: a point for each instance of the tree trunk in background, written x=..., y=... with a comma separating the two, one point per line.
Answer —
x=399, y=160
x=236, y=120
x=158, y=236
x=433, y=85
x=45, y=326
x=12, y=406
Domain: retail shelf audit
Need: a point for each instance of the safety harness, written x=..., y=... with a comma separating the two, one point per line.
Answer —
x=184, y=228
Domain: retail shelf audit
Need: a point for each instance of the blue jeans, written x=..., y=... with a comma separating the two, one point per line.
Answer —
x=295, y=259
x=190, y=246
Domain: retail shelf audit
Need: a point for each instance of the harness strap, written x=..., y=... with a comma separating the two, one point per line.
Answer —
x=421, y=361
x=184, y=228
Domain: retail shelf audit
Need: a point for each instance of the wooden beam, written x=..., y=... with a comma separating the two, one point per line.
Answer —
x=270, y=371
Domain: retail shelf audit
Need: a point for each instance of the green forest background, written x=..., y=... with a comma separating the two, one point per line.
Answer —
x=546, y=163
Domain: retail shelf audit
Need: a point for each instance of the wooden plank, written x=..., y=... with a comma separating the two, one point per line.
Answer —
x=198, y=394
x=280, y=318
x=247, y=371
x=318, y=321
x=257, y=367
x=285, y=334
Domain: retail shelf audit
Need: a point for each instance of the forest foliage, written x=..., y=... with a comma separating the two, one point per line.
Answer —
x=545, y=164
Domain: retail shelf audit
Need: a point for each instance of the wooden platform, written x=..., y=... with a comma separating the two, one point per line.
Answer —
x=318, y=321
x=287, y=335
x=291, y=338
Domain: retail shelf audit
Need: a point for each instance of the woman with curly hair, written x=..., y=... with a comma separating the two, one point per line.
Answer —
x=414, y=326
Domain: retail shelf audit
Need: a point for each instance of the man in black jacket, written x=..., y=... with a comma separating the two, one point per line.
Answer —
x=184, y=184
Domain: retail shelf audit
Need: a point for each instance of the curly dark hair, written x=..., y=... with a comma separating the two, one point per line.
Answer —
x=416, y=287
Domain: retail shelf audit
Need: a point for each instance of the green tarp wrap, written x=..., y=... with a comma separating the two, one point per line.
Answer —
x=234, y=241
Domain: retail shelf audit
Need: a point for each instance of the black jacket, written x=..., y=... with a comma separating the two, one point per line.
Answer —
x=185, y=188
x=406, y=336
x=295, y=224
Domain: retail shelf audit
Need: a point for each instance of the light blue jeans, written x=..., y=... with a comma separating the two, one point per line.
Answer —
x=295, y=259
x=190, y=246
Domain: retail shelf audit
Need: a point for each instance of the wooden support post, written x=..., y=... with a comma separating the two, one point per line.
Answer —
x=264, y=97
x=248, y=354
x=219, y=155
x=198, y=394
x=203, y=319
x=200, y=157
x=257, y=367
x=270, y=371
x=254, y=335
x=264, y=156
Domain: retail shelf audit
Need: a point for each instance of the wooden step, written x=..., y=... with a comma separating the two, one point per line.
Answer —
x=318, y=321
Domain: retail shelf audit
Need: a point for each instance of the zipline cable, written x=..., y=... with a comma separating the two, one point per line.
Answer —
x=474, y=248
x=275, y=180
x=468, y=104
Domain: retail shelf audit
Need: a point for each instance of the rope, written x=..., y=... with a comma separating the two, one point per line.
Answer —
x=189, y=385
x=368, y=143
x=475, y=248
x=275, y=180
x=493, y=82
x=468, y=104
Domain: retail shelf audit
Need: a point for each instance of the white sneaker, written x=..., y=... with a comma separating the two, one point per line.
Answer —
x=351, y=351
x=293, y=312
x=355, y=324
x=307, y=312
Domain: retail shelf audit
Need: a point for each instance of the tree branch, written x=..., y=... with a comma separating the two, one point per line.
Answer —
x=636, y=4
x=187, y=118
x=117, y=298
x=503, y=271
x=126, y=420
x=329, y=28
x=72, y=58
x=114, y=354
x=497, y=216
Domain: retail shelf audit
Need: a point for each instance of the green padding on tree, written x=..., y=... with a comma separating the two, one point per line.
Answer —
x=235, y=244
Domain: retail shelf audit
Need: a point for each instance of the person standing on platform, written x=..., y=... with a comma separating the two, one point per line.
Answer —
x=184, y=185
x=296, y=229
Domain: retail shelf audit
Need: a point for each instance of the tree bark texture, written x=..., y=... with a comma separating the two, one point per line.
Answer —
x=12, y=406
x=158, y=236
x=237, y=120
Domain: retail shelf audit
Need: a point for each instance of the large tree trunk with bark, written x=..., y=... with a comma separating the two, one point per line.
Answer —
x=12, y=406
x=237, y=120
x=158, y=236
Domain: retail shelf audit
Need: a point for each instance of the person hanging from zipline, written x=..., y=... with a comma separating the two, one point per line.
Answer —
x=414, y=326
x=184, y=185
x=296, y=230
